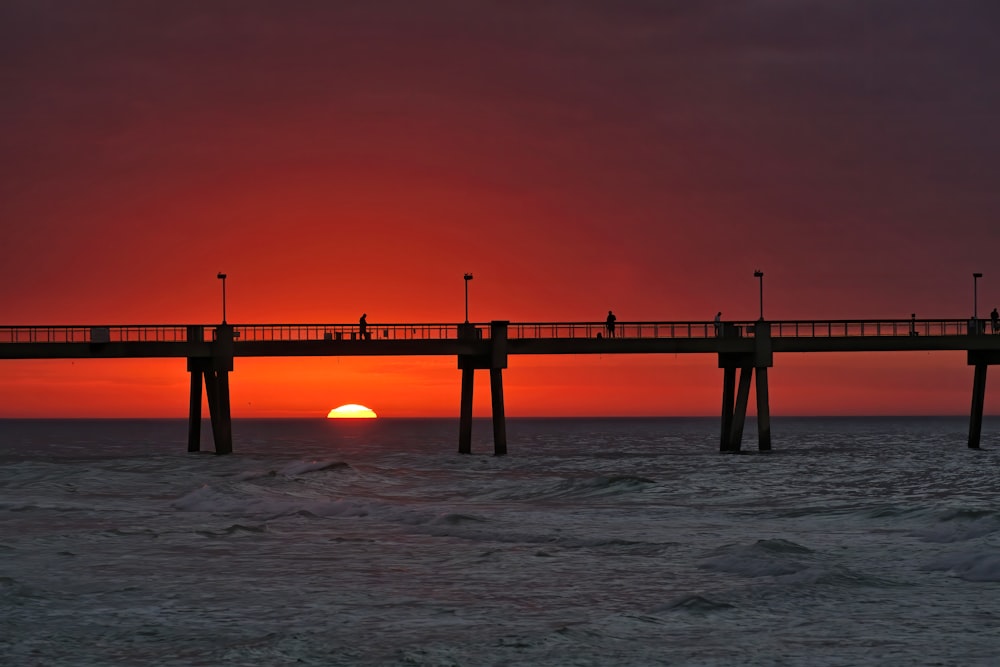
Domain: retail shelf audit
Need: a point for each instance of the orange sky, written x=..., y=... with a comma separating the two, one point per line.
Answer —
x=339, y=158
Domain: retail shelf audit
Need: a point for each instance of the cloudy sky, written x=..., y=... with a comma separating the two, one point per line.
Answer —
x=640, y=156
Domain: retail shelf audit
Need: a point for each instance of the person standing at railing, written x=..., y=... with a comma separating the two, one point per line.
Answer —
x=609, y=324
x=718, y=323
x=995, y=320
x=363, y=326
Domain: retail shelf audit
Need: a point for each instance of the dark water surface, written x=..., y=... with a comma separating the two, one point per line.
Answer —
x=596, y=542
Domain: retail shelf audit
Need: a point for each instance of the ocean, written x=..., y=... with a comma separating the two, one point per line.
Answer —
x=872, y=541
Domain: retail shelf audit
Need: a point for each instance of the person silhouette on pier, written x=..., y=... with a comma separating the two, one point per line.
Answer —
x=609, y=324
x=363, y=327
x=718, y=323
x=995, y=320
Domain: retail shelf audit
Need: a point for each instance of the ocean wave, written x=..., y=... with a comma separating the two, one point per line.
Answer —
x=46, y=507
x=125, y=532
x=234, y=529
x=302, y=467
x=292, y=469
x=10, y=587
x=572, y=488
x=833, y=576
x=255, y=474
x=960, y=526
x=695, y=604
x=752, y=566
x=787, y=563
x=962, y=514
x=211, y=500
x=454, y=519
x=763, y=558
x=970, y=566
x=617, y=545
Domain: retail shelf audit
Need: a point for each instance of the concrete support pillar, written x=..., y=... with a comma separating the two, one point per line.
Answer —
x=740, y=411
x=224, y=431
x=763, y=412
x=978, y=399
x=196, y=367
x=499, y=421
x=217, y=390
x=494, y=359
x=212, y=394
x=728, y=400
x=215, y=371
x=763, y=358
x=465, y=417
x=194, y=406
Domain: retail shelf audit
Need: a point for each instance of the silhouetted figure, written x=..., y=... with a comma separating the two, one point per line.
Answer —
x=363, y=327
x=995, y=320
x=913, y=325
x=610, y=324
x=718, y=323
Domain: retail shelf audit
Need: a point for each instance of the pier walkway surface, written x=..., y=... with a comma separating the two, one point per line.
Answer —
x=747, y=346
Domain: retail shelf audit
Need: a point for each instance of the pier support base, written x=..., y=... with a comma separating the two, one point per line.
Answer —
x=492, y=356
x=214, y=372
x=735, y=400
x=217, y=388
x=740, y=411
x=763, y=412
x=217, y=392
x=465, y=416
x=194, y=409
x=499, y=421
x=978, y=400
x=728, y=402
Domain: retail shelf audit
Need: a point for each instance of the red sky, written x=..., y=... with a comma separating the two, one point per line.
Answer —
x=646, y=157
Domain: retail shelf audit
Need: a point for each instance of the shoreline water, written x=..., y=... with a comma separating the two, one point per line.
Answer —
x=595, y=542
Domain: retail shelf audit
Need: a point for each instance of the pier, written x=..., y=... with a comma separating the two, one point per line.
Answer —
x=744, y=349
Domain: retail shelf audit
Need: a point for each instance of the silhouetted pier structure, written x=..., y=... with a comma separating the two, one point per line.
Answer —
x=745, y=349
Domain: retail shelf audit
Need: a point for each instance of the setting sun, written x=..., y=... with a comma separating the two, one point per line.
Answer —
x=351, y=411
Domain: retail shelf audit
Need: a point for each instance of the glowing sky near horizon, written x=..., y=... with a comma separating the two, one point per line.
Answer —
x=340, y=158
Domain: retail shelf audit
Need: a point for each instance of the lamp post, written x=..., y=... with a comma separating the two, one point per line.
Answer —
x=222, y=277
x=760, y=277
x=468, y=277
x=975, y=295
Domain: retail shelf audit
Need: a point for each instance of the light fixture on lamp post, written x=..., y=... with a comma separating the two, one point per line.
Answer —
x=222, y=277
x=468, y=277
x=975, y=295
x=760, y=277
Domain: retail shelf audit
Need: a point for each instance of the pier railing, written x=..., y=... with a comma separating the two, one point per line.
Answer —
x=850, y=328
x=375, y=331
x=95, y=334
x=518, y=330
